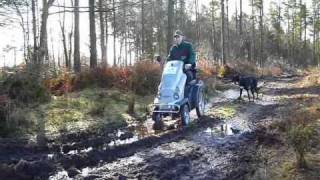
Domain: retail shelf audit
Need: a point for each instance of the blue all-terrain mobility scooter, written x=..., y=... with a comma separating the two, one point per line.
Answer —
x=176, y=97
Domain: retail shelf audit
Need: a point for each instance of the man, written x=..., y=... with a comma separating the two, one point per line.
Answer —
x=183, y=51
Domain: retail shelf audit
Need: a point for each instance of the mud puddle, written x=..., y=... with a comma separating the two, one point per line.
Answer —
x=221, y=131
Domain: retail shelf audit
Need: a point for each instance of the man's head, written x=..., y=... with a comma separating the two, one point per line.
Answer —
x=178, y=37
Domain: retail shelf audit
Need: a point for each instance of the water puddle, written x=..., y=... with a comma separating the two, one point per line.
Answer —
x=231, y=93
x=139, y=131
x=61, y=175
x=50, y=156
x=222, y=130
x=72, y=152
x=223, y=96
x=122, y=142
x=218, y=135
x=85, y=171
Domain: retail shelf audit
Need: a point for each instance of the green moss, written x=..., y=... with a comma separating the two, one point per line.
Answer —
x=91, y=108
x=225, y=112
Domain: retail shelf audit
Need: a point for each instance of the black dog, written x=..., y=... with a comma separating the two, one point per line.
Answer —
x=247, y=83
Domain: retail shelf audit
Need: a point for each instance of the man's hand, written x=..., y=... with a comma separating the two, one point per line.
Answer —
x=187, y=66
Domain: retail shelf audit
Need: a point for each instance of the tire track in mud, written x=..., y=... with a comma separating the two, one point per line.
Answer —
x=215, y=149
x=212, y=148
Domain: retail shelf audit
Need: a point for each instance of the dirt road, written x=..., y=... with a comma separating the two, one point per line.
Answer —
x=214, y=147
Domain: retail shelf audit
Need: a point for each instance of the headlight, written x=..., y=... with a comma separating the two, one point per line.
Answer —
x=176, y=93
x=176, y=96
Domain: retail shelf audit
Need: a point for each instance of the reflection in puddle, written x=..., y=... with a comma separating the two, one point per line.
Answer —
x=137, y=132
x=85, y=171
x=50, y=156
x=122, y=142
x=73, y=152
x=61, y=175
x=87, y=150
x=231, y=94
x=144, y=129
x=222, y=130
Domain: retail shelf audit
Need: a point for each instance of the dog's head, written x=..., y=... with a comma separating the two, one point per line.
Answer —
x=235, y=79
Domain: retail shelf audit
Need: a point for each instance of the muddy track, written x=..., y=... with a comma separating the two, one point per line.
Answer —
x=212, y=148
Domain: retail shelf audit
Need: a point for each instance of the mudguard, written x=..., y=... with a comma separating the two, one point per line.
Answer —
x=192, y=93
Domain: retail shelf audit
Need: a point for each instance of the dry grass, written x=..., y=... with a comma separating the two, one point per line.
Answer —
x=270, y=71
x=311, y=79
x=142, y=78
x=207, y=69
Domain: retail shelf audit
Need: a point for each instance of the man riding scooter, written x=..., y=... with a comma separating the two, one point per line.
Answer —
x=178, y=92
x=183, y=51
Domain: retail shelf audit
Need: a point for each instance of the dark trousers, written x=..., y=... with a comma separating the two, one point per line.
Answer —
x=191, y=75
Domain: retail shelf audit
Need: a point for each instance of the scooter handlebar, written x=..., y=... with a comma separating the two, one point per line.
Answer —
x=187, y=66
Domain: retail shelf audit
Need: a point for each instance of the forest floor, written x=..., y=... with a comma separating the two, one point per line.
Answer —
x=237, y=139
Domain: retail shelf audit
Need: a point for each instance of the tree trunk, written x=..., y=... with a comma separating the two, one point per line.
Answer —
x=43, y=49
x=59, y=59
x=28, y=38
x=125, y=33
x=196, y=3
x=240, y=28
x=114, y=34
x=279, y=30
x=64, y=39
x=52, y=55
x=93, y=37
x=253, y=32
x=305, y=25
x=34, y=29
x=107, y=32
x=301, y=160
x=23, y=30
x=142, y=30
x=300, y=20
x=288, y=36
x=131, y=103
x=70, y=47
x=77, y=65
x=261, y=35
x=160, y=26
x=213, y=31
x=102, y=35
x=170, y=24
x=228, y=31
x=222, y=34
x=182, y=19
x=236, y=19
x=314, y=38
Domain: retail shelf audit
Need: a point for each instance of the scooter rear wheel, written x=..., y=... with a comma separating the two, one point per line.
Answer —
x=200, y=107
x=185, y=115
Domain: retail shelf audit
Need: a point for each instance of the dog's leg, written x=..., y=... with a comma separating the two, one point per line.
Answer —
x=248, y=94
x=240, y=93
x=252, y=92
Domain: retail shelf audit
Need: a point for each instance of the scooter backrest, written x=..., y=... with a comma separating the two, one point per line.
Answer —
x=173, y=67
x=172, y=73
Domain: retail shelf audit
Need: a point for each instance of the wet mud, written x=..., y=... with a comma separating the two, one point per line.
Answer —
x=211, y=148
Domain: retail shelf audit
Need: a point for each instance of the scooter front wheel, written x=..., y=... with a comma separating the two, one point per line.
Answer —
x=158, y=123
